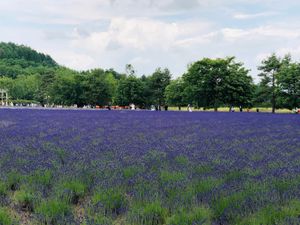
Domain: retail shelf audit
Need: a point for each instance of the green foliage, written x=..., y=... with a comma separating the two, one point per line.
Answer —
x=284, y=184
x=169, y=177
x=25, y=199
x=174, y=93
x=3, y=188
x=41, y=177
x=72, y=190
x=61, y=155
x=66, y=88
x=13, y=180
x=113, y=200
x=292, y=209
x=5, y=217
x=216, y=82
x=97, y=89
x=52, y=210
x=13, y=51
x=288, y=214
x=154, y=159
x=45, y=80
x=131, y=171
x=223, y=203
x=32, y=77
x=234, y=175
x=269, y=85
x=207, y=184
x=99, y=219
x=198, y=215
x=130, y=90
x=18, y=60
x=289, y=88
x=147, y=214
x=182, y=160
x=24, y=87
x=158, y=82
x=203, y=169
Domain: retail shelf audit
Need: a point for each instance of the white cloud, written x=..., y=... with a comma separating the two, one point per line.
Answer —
x=150, y=33
x=262, y=32
x=244, y=16
x=143, y=34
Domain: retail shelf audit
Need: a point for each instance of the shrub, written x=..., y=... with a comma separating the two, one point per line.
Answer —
x=42, y=177
x=171, y=177
x=5, y=218
x=199, y=215
x=203, y=169
x=130, y=172
x=25, y=199
x=3, y=188
x=288, y=214
x=13, y=180
x=113, y=200
x=148, y=214
x=72, y=190
x=102, y=220
x=206, y=185
x=52, y=210
x=182, y=160
x=224, y=206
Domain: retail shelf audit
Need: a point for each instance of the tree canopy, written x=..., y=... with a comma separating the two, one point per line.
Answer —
x=209, y=83
x=216, y=82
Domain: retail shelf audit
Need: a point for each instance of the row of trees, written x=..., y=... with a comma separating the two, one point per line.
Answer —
x=62, y=86
x=208, y=83
x=211, y=83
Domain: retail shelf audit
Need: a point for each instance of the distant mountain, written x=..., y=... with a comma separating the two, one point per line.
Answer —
x=21, y=60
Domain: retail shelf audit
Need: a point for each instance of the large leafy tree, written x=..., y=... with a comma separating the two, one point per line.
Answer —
x=130, y=90
x=66, y=88
x=289, y=85
x=216, y=82
x=238, y=87
x=25, y=87
x=158, y=82
x=97, y=90
x=174, y=93
x=45, y=80
x=270, y=68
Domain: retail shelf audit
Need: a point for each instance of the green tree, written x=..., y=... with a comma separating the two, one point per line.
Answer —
x=6, y=83
x=174, y=93
x=270, y=68
x=158, y=82
x=96, y=88
x=112, y=83
x=25, y=87
x=64, y=89
x=45, y=81
x=216, y=82
x=130, y=90
x=289, y=85
x=238, y=87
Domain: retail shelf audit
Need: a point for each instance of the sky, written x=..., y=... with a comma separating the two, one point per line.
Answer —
x=86, y=34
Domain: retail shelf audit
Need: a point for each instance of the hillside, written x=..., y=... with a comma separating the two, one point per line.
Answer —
x=22, y=60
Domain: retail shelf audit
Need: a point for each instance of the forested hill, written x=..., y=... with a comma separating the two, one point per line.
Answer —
x=21, y=60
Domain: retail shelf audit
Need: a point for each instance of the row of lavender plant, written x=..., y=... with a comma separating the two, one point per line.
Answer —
x=99, y=167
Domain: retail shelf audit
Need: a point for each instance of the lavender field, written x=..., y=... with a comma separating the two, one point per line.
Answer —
x=142, y=167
